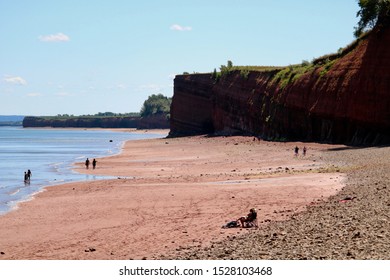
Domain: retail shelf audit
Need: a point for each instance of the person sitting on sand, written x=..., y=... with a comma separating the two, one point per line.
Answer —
x=247, y=220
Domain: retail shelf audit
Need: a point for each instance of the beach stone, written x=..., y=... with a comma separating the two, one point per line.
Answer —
x=356, y=235
x=90, y=250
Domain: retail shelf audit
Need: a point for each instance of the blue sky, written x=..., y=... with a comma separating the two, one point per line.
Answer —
x=84, y=57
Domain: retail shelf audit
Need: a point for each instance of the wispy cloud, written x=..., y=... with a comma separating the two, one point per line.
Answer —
x=15, y=80
x=59, y=37
x=151, y=88
x=117, y=87
x=63, y=94
x=34, y=94
x=177, y=27
x=121, y=86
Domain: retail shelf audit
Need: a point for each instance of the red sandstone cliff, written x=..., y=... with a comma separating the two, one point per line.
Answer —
x=347, y=103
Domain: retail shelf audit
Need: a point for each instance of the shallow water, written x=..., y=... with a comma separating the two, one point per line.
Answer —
x=49, y=154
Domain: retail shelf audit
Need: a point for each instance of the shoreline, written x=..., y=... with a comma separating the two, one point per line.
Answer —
x=40, y=187
x=172, y=190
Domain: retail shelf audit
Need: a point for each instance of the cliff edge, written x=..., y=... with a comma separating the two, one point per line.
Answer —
x=341, y=98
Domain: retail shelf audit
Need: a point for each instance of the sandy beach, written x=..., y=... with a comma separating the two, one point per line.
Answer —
x=170, y=199
x=352, y=225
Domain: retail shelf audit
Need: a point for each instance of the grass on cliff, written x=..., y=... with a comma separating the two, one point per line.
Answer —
x=283, y=75
x=292, y=73
x=244, y=70
x=289, y=74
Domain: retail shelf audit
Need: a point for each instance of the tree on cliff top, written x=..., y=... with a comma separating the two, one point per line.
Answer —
x=156, y=104
x=372, y=13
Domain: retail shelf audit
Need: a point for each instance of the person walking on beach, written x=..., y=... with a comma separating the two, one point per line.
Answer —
x=296, y=151
x=304, y=151
x=94, y=163
x=26, y=179
x=87, y=163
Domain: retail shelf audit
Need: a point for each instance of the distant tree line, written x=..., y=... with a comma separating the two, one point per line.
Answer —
x=100, y=114
x=156, y=104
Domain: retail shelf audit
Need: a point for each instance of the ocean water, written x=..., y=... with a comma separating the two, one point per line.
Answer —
x=49, y=154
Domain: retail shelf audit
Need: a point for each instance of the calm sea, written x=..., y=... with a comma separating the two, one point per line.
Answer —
x=49, y=154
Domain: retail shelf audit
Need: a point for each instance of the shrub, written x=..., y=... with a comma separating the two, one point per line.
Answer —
x=155, y=105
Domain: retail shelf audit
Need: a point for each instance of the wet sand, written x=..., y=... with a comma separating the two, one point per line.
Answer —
x=170, y=199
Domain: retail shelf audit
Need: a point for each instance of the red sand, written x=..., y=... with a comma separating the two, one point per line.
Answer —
x=170, y=193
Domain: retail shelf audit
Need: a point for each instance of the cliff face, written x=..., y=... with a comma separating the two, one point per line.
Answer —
x=192, y=105
x=347, y=101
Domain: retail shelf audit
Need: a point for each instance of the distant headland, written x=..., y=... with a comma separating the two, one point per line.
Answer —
x=12, y=120
x=154, y=114
x=114, y=121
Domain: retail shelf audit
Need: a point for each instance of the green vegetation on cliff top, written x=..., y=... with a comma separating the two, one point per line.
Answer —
x=284, y=75
x=372, y=13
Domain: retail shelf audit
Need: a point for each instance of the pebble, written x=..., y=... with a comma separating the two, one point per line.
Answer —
x=90, y=250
